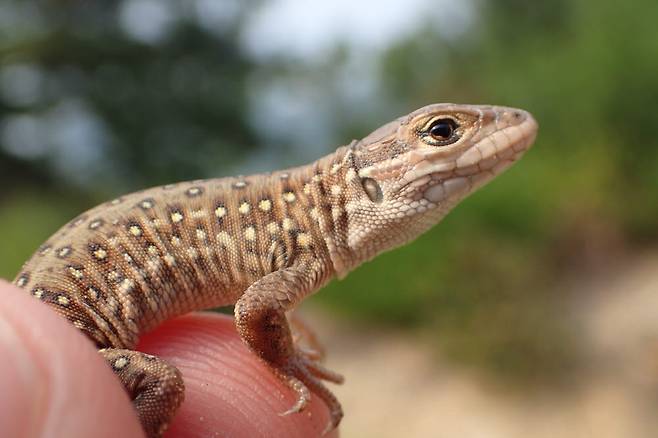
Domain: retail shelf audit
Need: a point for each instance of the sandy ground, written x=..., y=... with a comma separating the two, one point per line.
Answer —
x=397, y=388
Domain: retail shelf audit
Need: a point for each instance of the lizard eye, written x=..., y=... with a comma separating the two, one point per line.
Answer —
x=373, y=190
x=442, y=129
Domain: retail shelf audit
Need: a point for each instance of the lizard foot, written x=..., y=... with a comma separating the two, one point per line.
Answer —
x=304, y=375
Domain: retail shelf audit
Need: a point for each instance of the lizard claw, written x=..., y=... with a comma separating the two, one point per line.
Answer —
x=304, y=375
x=303, y=395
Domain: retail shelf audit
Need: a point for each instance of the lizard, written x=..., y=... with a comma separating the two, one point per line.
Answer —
x=262, y=243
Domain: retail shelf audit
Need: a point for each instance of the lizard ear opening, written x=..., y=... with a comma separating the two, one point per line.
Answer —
x=373, y=190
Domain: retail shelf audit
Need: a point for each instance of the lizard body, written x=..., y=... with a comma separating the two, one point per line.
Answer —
x=262, y=243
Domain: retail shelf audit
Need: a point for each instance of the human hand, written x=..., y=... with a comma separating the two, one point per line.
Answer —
x=53, y=383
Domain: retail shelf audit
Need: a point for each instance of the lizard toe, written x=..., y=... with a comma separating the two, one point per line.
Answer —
x=304, y=376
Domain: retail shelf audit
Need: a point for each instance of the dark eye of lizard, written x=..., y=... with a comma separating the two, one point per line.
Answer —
x=442, y=129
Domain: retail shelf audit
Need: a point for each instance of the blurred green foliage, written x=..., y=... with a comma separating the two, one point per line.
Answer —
x=488, y=284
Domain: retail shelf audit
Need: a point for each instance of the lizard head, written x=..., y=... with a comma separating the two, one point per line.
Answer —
x=408, y=174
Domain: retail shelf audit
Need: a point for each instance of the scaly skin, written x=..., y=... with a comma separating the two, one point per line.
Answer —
x=263, y=243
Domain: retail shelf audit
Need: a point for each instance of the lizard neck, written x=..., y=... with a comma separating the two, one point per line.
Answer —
x=327, y=184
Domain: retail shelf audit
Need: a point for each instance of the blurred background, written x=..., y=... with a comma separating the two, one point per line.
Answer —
x=531, y=310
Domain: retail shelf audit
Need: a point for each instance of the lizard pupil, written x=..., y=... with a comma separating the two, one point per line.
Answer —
x=442, y=129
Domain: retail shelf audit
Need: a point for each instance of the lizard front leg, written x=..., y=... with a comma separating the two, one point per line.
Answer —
x=260, y=316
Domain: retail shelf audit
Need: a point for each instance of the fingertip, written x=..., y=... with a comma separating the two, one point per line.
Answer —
x=53, y=381
x=228, y=389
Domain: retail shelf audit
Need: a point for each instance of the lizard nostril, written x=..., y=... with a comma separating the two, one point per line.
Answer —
x=518, y=116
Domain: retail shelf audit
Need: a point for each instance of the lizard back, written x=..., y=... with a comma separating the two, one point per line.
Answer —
x=121, y=268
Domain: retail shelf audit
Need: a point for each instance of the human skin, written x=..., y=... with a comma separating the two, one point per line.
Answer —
x=53, y=383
